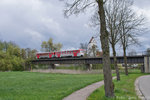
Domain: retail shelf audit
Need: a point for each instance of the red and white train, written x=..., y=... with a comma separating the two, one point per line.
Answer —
x=61, y=54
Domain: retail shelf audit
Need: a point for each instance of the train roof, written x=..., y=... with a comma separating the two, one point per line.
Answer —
x=58, y=51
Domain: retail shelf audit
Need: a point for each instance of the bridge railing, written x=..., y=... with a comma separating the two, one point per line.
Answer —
x=140, y=53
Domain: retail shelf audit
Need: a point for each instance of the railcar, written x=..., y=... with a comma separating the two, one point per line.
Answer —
x=61, y=54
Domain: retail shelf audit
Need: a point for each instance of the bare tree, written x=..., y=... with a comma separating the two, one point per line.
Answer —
x=121, y=25
x=132, y=53
x=113, y=20
x=85, y=47
x=148, y=51
x=130, y=28
x=77, y=6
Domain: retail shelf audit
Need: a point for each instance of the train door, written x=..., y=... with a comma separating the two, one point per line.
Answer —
x=58, y=54
x=75, y=53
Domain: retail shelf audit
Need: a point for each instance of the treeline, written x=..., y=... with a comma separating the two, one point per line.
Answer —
x=14, y=58
x=50, y=46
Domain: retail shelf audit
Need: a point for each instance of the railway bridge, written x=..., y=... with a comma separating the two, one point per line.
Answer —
x=140, y=59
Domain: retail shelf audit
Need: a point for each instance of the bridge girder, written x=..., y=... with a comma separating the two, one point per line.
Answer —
x=120, y=60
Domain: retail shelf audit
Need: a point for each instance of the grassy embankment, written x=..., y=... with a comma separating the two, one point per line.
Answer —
x=42, y=86
x=124, y=89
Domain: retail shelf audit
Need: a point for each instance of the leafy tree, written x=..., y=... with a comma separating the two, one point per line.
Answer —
x=33, y=53
x=57, y=47
x=49, y=46
x=23, y=53
x=1, y=45
x=10, y=57
x=17, y=64
x=44, y=46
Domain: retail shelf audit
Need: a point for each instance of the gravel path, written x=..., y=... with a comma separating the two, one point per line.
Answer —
x=83, y=93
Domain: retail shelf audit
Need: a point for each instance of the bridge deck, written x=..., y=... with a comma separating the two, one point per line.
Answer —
x=130, y=60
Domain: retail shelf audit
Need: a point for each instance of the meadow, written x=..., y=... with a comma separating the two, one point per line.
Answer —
x=42, y=86
x=124, y=89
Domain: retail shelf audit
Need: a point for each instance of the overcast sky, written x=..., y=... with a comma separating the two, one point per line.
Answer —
x=29, y=22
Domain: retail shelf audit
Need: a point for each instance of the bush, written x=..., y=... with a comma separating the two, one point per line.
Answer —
x=10, y=62
x=17, y=63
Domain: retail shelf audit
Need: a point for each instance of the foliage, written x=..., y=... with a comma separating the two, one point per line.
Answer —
x=42, y=86
x=12, y=58
x=49, y=46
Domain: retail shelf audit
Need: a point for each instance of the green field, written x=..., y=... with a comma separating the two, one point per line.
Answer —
x=41, y=86
x=124, y=89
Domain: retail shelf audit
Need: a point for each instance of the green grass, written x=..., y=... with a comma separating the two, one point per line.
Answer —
x=124, y=89
x=41, y=86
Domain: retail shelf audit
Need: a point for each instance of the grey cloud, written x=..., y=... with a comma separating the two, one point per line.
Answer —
x=142, y=3
x=28, y=23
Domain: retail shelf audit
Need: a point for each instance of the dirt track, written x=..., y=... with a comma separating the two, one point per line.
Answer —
x=63, y=71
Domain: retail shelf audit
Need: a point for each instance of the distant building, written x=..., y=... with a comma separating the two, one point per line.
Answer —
x=92, y=42
x=92, y=48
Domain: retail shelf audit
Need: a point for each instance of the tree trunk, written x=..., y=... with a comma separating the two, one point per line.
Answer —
x=115, y=63
x=125, y=60
x=108, y=84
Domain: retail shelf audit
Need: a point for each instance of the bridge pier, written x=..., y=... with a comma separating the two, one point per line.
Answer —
x=88, y=66
x=52, y=66
x=147, y=64
x=142, y=68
